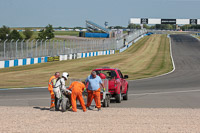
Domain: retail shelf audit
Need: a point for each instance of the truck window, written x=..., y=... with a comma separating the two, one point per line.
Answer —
x=110, y=74
x=120, y=74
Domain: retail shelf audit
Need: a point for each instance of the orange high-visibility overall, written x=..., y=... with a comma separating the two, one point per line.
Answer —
x=50, y=88
x=96, y=96
x=77, y=89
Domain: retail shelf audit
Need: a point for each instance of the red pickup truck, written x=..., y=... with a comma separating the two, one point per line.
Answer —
x=118, y=86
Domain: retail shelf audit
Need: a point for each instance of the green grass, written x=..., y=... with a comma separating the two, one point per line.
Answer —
x=196, y=36
x=148, y=57
x=69, y=33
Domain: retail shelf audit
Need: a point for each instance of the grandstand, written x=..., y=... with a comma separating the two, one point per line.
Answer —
x=93, y=27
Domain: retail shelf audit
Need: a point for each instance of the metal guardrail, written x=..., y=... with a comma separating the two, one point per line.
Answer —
x=19, y=49
x=40, y=48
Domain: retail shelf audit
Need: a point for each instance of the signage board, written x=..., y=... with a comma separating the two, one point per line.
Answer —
x=168, y=21
x=193, y=21
x=164, y=21
x=55, y=58
x=144, y=21
x=182, y=21
x=154, y=21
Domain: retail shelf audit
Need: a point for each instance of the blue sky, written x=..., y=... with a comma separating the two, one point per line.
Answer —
x=70, y=13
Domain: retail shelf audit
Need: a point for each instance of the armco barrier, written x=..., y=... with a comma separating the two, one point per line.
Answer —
x=29, y=61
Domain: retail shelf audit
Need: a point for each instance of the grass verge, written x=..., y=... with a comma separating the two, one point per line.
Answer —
x=69, y=33
x=148, y=57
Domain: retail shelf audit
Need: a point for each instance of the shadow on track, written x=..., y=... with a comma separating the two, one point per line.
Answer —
x=41, y=108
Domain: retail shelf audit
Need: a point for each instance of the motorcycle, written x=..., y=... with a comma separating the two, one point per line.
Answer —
x=64, y=102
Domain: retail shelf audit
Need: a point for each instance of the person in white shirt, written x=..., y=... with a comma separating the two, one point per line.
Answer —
x=60, y=86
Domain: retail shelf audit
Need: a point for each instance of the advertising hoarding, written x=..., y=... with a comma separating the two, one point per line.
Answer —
x=135, y=21
x=193, y=21
x=154, y=21
x=182, y=21
x=168, y=21
x=144, y=21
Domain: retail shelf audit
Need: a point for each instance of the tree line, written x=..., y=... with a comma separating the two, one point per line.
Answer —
x=7, y=33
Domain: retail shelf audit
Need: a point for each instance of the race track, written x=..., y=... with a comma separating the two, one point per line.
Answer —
x=180, y=89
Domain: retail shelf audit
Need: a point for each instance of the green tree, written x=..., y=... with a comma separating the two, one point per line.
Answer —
x=134, y=26
x=15, y=35
x=152, y=27
x=28, y=33
x=78, y=27
x=138, y=26
x=146, y=26
x=119, y=27
x=46, y=33
x=4, y=32
x=165, y=26
x=186, y=27
x=131, y=26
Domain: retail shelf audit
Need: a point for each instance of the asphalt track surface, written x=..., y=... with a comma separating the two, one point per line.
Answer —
x=180, y=89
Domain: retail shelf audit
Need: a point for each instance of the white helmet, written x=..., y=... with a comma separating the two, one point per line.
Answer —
x=65, y=75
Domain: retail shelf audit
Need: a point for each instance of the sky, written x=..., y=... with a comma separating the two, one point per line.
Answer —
x=72, y=13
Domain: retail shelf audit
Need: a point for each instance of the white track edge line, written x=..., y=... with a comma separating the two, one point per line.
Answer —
x=195, y=37
x=3, y=89
x=157, y=93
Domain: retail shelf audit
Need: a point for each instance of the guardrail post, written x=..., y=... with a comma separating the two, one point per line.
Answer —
x=45, y=47
x=57, y=47
x=60, y=45
x=11, y=48
x=40, y=53
x=4, y=51
x=64, y=47
x=16, y=51
x=22, y=48
x=31, y=48
x=49, y=52
x=70, y=46
x=36, y=48
x=53, y=48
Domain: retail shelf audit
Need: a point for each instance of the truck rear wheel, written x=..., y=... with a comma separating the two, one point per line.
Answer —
x=105, y=102
x=126, y=96
x=118, y=97
x=108, y=101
